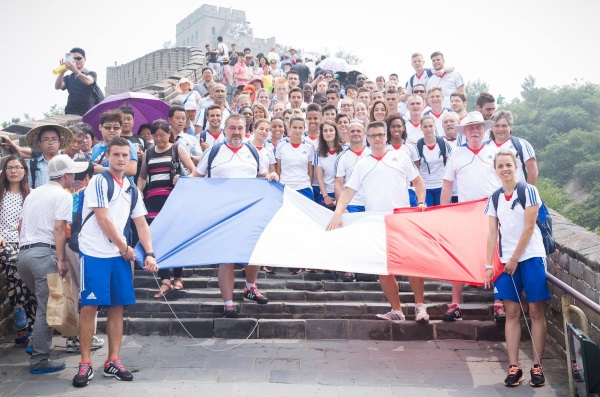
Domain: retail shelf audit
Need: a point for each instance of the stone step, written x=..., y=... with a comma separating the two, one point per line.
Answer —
x=279, y=295
x=281, y=273
x=187, y=308
x=242, y=328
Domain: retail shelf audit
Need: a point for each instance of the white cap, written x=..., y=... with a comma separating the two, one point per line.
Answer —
x=190, y=105
x=63, y=164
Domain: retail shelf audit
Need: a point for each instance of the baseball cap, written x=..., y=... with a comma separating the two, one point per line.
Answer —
x=63, y=164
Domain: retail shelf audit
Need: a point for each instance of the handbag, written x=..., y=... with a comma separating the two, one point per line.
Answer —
x=61, y=311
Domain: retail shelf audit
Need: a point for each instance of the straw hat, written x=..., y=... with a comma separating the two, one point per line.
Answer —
x=65, y=135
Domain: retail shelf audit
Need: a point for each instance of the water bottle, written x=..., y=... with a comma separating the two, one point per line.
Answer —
x=60, y=69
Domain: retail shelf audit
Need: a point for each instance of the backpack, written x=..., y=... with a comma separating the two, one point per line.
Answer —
x=215, y=149
x=412, y=78
x=543, y=221
x=33, y=169
x=519, y=148
x=77, y=224
x=441, y=144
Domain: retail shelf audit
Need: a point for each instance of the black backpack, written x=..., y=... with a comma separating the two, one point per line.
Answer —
x=215, y=149
x=441, y=144
x=519, y=148
x=543, y=221
x=77, y=224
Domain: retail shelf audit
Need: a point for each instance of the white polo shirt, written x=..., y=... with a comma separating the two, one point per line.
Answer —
x=211, y=139
x=344, y=167
x=190, y=143
x=453, y=145
x=439, y=128
x=449, y=82
x=473, y=172
x=92, y=241
x=384, y=181
x=528, y=153
x=431, y=166
x=231, y=163
x=313, y=140
x=267, y=157
x=422, y=79
x=511, y=216
x=295, y=159
x=413, y=132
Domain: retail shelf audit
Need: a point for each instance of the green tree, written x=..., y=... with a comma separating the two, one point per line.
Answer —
x=473, y=89
x=352, y=58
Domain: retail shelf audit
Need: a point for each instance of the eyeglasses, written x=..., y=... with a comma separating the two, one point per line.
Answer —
x=78, y=58
x=48, y=140
x=345, y=105
x=418, y=92
x=377, y=136
x=14, y=168
x=114, y=127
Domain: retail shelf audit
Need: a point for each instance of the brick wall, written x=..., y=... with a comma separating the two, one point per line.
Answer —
x=576, y=263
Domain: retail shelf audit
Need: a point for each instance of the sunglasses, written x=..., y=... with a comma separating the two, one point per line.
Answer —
x=78, y=58
x=114, y=127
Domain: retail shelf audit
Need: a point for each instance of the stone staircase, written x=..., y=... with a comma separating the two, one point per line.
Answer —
x=305, y=306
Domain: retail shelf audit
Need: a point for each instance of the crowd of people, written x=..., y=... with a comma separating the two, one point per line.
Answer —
x=344, y=141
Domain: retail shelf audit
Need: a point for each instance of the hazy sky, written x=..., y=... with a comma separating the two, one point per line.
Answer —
x=499, y=42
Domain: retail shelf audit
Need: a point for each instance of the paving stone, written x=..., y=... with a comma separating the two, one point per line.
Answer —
x=146, y=327
x=354, y=378
x=281, y=364
x=327, y=329
x=237, y=376
x=285, y=329
x=294, y=377
x=235, y=328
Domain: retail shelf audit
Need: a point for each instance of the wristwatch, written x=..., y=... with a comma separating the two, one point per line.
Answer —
x=152, y=254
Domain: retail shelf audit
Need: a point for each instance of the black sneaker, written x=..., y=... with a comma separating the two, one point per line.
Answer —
x=348, y=277
x=230, y=312
x=117, y=369
x=85, y=374
x=514, y=377
x=453, y=313
x=254, y=295
x=537, y=376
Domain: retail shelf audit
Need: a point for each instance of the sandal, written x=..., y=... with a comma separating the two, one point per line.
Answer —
x=162, y=291
x=178, y=284
x=311, y=270
x=268, y=270
x=296, y=271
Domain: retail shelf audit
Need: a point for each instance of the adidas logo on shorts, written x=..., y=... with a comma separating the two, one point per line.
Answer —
x=495, y=290
x=91, y=296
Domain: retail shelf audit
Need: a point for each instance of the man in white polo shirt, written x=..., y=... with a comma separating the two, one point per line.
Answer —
x=43, y=233
x=384, y=178
x=449, y=81
x=471, y=168
x=234, y=159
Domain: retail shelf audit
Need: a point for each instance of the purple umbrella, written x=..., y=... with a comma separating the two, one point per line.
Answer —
x=146, y=109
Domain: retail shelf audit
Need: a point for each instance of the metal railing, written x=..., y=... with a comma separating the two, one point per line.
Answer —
x=567, y=309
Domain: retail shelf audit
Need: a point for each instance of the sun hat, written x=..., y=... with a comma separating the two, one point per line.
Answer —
x=63, y=164
x=65, y=135
x=473, y=118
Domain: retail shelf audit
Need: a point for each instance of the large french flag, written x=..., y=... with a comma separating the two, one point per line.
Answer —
x=210, y=221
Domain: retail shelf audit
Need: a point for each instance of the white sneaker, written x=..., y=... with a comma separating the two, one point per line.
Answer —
x=97, y=342
x=421, y=315
x=393, y=315
x=70, y=347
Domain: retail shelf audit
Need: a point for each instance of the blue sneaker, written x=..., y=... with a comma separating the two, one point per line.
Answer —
x=29, y=348
x=20, y=318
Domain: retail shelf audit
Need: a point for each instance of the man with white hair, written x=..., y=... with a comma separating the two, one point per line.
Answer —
x=471, y=168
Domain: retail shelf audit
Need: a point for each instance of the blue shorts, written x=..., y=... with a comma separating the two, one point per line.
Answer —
x=433, y=196
x=317, y=193
x=529, y=276
x=308, y=193
x=356, y=208
x=413, y=198
x=105, y=281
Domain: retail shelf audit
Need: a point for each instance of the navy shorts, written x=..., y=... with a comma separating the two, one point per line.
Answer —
x=105, y=281
x=412, y=196
x=355, y=208
x=308, y=193
x=529, y=276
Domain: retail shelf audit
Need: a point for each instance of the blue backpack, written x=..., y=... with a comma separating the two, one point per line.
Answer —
x=77, y=224
x=544, y=220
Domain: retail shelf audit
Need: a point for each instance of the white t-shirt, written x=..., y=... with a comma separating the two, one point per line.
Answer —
x=92, y=241
x=327, y=164
x=190, y=143
x=439, y=128
x=210, y=139
x=202, y=122
x=231, y=164
x=422, y=79
x=413, y=132
x=407, y=148
x=344, y=166
x=449, y=83
x=315, y=143
x=431, y=166
x=193, y=96
x=511, y=217
x=384, y=182
x=267, y=157
x=528, y=153
x=453, y=145
x=474, y=173
x=42, y=208
x=294, y=163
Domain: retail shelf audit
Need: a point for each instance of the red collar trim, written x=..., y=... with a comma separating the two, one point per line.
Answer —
x=508, y=197
x=295, y=145
x=119, y=182
x=332, y=152
x=378, y=158
x=358, y=153
x=216, y=137
x=475, y=151
x=234, y=149
x=415, y=124
x=437, y=116
x=259, y=147
x=313, y=138
x=431, y=147
x=397, y=147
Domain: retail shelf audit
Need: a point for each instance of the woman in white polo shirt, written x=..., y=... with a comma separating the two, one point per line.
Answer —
x=524, y=257
x=295, y=159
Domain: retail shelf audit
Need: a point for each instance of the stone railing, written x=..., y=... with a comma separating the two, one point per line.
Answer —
x=577, y=264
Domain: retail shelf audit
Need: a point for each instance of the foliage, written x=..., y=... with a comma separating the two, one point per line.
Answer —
x=473, y=89
x=53, y=111
x=563, y=125
x=352, y=59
